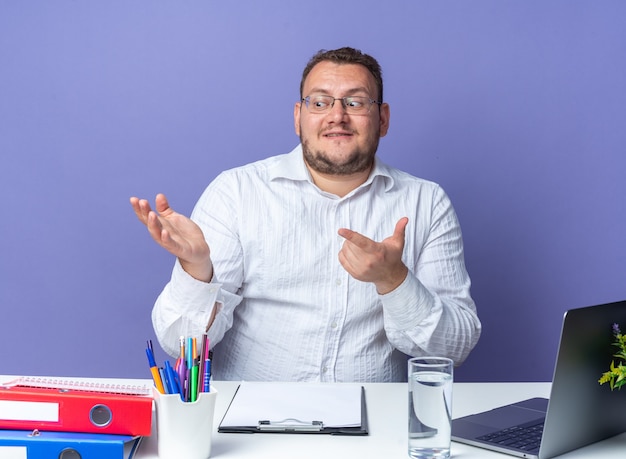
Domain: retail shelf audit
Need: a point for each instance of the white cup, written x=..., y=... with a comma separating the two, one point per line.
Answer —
x=184, y=429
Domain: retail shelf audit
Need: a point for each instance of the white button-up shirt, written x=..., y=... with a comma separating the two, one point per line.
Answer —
x=288, y=310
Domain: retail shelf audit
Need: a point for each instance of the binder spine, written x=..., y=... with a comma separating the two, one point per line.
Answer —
x=75, y=411
x=48, y=445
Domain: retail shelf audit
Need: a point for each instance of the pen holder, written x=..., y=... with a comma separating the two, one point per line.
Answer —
x=184, y=429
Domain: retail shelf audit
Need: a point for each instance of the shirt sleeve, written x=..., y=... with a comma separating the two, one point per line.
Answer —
x=186, y=304
x=183, y=309
x=432, y=312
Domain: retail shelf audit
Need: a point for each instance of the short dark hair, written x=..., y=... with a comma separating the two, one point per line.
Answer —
x=346, y=55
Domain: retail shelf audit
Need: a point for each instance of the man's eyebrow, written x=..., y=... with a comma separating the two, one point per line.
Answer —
x=349, y=92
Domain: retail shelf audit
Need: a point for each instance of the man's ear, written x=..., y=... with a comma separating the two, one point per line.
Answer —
x=297, y=109
x=384, y=119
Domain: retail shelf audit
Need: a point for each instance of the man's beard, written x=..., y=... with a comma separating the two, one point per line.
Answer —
x=320, y=162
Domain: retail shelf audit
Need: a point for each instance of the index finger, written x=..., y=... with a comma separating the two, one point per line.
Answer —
x=356, y=238
x=141, y=208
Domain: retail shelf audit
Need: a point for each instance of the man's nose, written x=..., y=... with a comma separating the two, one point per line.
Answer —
x=338, y=110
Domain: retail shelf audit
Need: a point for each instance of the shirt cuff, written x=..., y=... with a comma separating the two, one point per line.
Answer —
x=193, y=297
x=407, y=305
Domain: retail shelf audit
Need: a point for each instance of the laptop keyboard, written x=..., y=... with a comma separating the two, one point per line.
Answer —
x=525, y=437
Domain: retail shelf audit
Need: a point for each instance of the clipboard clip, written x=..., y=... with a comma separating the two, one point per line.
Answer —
x=290, y=425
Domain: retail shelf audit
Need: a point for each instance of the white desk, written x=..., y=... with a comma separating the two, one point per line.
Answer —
x=387, y=415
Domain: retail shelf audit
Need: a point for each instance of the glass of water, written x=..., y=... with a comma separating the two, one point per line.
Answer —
x=430, y=407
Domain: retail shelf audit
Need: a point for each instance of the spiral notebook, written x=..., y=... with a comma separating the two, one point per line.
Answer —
x=104, y=385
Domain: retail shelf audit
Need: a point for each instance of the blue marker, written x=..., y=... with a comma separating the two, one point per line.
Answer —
x=207, y=376
x=172, y=381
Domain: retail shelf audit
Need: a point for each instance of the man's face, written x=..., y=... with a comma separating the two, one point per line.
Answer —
x=335, y=142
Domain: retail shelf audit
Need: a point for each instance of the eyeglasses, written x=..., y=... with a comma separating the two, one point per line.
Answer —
x=353, y=105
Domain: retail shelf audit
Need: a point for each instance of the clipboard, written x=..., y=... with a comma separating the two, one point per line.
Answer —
x=297, y=408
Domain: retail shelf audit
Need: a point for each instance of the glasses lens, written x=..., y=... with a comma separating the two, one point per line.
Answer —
x=319, y=104
x=357, y=104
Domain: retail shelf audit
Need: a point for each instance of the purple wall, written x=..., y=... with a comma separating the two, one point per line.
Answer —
x=517, y=108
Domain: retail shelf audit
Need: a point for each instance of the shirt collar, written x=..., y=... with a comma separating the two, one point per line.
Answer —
x=291, y=167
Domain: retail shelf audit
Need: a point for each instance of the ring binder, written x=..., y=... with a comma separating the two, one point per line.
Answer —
x=39, y=444
x=290, y=425
x=28, y=408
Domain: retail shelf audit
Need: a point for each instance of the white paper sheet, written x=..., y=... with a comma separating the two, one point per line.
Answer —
x=336, y=405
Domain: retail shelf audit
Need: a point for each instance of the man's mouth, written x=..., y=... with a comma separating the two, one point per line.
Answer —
x=338, y=134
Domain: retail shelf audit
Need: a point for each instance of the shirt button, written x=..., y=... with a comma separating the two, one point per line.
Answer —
x=324, y=369
x=338, y=282
x=333, y=325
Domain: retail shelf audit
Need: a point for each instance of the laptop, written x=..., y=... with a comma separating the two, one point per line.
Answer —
x=580, y=410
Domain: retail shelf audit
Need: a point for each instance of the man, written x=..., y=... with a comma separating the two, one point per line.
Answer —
x=323, y=264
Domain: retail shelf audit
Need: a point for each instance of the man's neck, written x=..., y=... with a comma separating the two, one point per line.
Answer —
x=339, y=185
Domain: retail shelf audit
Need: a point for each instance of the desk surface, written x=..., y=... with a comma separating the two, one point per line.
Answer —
x=387, y=414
